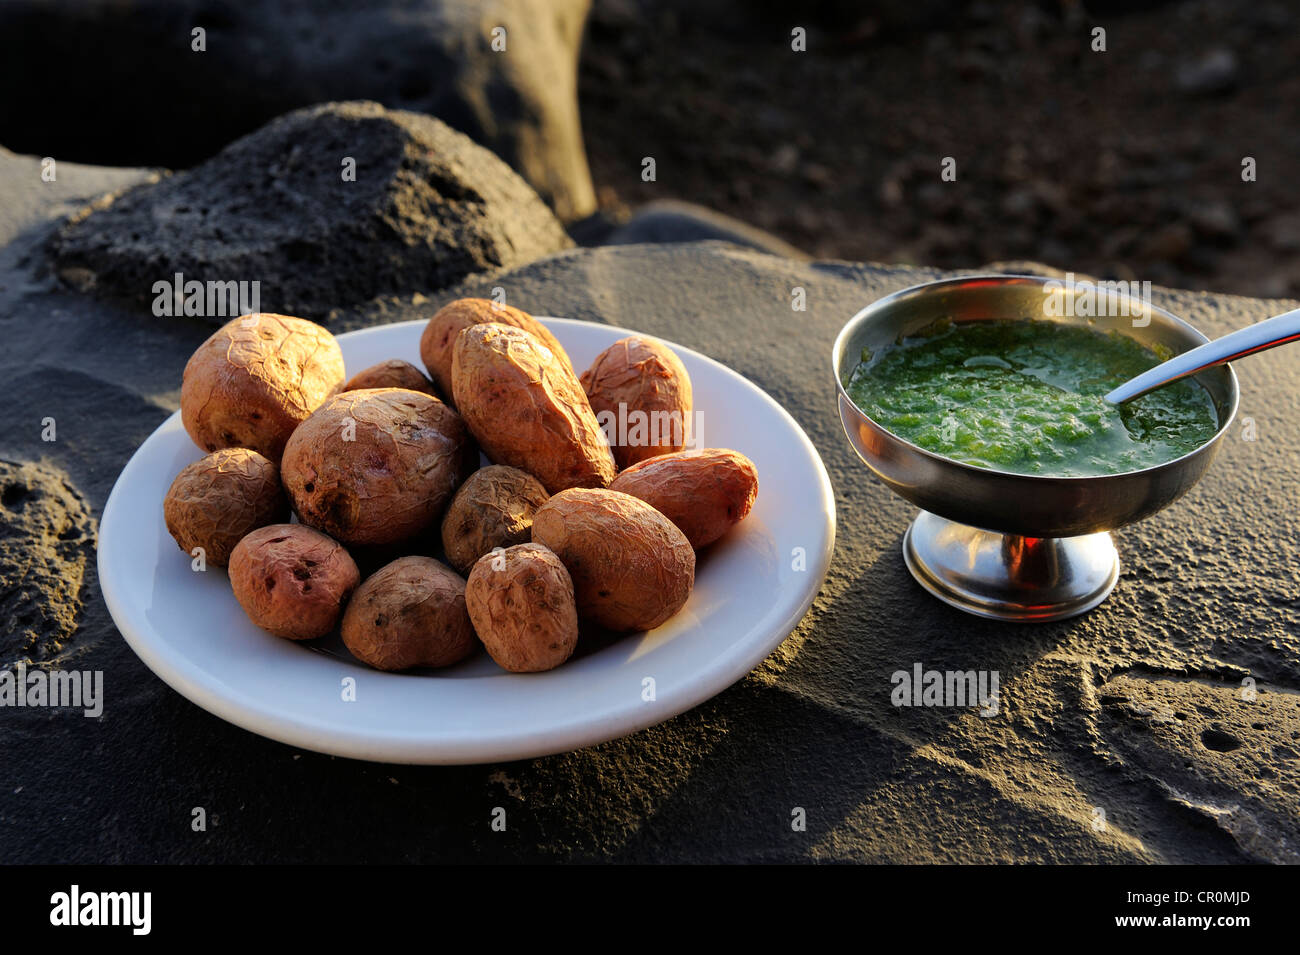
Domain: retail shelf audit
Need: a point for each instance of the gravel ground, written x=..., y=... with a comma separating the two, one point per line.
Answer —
x=1124, y=164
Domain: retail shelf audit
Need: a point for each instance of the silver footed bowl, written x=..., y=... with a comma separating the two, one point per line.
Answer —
x=1017, y=546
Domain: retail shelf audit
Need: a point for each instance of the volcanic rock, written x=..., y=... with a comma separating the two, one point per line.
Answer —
x=280, y=207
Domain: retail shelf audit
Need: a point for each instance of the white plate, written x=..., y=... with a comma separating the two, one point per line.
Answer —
x=749, y=594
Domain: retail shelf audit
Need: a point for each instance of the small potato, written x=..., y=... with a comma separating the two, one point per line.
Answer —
x=410, y=613
x=375, y=466
x=703, y=492
x=221, y=497
x=255, y=380
x=494, y=508
x=521, y=602
x=632, y=568
x=393, y=373
x=438, y=343
x=641, y=394
x=526, y=408
x=291, y=580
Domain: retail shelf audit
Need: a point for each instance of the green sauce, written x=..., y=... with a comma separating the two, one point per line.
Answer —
x=1026, y=396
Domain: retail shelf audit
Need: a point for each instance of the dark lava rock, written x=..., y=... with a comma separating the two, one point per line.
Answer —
x=670, y=220
x=170, y=104
x=427, y=208
x=1228, y=752
x=47, y=540
x=1208, y=595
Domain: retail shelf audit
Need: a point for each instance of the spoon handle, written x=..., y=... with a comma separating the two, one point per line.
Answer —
x=1269, y=333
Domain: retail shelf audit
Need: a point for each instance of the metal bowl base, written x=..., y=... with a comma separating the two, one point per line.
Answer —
x=1008, y=577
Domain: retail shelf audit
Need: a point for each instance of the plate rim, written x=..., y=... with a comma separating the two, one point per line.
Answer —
x=182, y=674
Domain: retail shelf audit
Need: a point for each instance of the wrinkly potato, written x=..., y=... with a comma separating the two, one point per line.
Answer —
x=291, y=580
x=641, y=394
x=526, y=408
x=409, y=613
x=375, y=466
x=221, y=497
x=255, y=380
x=493, y=508
x=703, y=492
x=438, y=343
x=393, y=373
x=522, y=605
x=632, y=568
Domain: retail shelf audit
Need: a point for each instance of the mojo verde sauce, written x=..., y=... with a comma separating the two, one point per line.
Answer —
x=1027, y=396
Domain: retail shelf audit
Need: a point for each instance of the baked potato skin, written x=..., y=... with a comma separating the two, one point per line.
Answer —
x=215, y=501
x=291, y=580
x=255, y=380
x=632, y=568
x=438, y=342
x=393, y=373
x=376, y=466
x=493, y=508
x=527, y=410
x=521, y=602
x=641, y=382
x=564, y=529
x=704, y=492
x=409, y=613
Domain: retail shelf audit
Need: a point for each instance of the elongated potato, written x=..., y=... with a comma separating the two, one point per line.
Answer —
x=291, y=580
x=703, y=492
x=438, y=343
x=375, y=466
x=393, y=373
x=521, y=603
x=641, y=394
x=526, y=408
x=493, y=508
x=409, y=613
x=255, y=380
x=221, y=497
x=632, y=568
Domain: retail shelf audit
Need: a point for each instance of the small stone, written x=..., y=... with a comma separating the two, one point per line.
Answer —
x=1283, y=233
x=1214, y=72
x=1168, y=242
x=817, y=174
x=786, y=159
x=1215, y=220
x=1019, y=203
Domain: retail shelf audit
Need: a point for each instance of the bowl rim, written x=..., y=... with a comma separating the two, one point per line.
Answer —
x=892, y=298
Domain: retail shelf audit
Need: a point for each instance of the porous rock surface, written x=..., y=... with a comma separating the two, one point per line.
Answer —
x=262, y=58
x=47, y=540
x=1086, y=759
x=1219, y=749
x=426, y=208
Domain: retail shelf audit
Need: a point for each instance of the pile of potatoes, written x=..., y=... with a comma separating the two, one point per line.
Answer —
x=383, y=469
